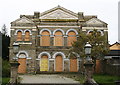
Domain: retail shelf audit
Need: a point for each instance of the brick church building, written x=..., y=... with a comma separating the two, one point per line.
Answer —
x=45, y=39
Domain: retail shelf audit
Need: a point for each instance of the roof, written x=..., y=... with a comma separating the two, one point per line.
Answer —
x=57, y=13
x=115, y=46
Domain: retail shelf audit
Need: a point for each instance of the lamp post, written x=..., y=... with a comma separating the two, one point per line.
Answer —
x=88, y=64
x=14, y=65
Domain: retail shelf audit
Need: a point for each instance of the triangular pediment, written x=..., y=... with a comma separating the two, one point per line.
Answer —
x=95, y=21
x=58, y=13
x=23, y=20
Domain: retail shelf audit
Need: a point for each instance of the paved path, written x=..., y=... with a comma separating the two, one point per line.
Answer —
x=44, y=78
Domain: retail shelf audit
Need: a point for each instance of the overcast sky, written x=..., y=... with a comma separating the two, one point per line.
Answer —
x=106, y=10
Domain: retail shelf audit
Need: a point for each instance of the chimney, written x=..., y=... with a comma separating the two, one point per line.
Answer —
x=36, y=14
x=80, y=16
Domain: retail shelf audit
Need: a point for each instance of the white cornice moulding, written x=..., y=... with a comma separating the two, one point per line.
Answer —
x=60, y=26
x=13, y=27
x=101, y=28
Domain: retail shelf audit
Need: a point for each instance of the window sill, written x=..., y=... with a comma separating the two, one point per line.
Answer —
x=24, y=42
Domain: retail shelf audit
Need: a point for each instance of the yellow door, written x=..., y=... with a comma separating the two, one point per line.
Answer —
x=44, y=63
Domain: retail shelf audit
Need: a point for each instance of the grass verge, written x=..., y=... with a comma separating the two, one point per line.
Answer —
x=5, y=80
x=105, y=79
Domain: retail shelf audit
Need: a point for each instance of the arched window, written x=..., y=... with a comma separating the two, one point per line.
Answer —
x=100, y=33
x=90, y=33
x=19, y=36
x=22, y=61
x=71, y=38
x=45, y=38
x=58, y=38
x=27, y=36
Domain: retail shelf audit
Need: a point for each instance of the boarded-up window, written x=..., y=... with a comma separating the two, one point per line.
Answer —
x=27, y=36
x=71, y=38
x=19, y=36
x=98, y=66
x=58, y=39
x=73, y=65
x=58, y=64
x=22, y=66
x=45, y=39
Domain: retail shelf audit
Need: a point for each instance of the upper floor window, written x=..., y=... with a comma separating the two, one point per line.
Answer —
x=98, y=32
x=19, y=36
x=27, y=36
x=71, y=38
x=45, y=38
x=58, y=38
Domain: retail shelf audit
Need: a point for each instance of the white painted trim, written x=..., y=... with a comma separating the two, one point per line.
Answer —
x=49, y=26
x=58, y=30
x=106, y=30
x=61, y=53
x=12, y=27
x=65, y=36
x=38, y=59
x=71, y=30
x=28, y=30
x=97, y=31
x=63, y=56
x=77, y=64
x=51, y=59
x=24, y=43
x=23, y=51
x=45, y=30
x=29, y=58
x=69, y=65
x=51, y=35
x=83, y=29
x=92, y=28
x=75, y=55
x=100, y=32
x=19, y=30
x=48, y=54
x=89, y=31
x=66, y=59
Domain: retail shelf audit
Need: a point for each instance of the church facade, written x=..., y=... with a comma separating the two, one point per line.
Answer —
x=45, y=39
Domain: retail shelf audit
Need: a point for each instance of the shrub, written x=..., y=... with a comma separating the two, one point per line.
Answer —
x=5, y=68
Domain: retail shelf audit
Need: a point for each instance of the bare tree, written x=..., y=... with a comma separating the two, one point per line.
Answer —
x=4, y=30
